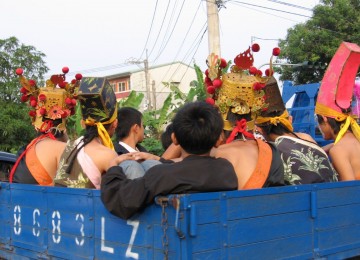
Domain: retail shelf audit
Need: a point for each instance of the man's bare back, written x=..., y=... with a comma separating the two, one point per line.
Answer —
x=345, y=157
x=243, y=155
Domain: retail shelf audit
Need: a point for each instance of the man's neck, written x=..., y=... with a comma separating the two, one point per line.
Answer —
x=130, y=141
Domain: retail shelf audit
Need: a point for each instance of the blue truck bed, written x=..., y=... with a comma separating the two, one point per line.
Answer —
x=295, y=222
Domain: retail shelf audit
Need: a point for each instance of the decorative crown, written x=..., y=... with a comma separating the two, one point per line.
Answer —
x=241, y=90
x=57, y=100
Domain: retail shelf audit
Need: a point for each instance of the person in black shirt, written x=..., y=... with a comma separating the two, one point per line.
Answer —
x=197, y=129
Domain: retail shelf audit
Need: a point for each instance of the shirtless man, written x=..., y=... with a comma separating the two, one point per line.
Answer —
x=333, y=109
x=38, y=163
x=256, y=163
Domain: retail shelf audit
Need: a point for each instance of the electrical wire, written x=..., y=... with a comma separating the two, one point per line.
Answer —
x=292, y=5
x=172, y=31
x=152, y=23
x=162, y=24
x=273, y=9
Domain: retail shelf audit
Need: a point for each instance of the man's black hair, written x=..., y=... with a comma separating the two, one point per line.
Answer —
x=127, y=117
x=197, y=127
x=166, y=136
x=278, y=129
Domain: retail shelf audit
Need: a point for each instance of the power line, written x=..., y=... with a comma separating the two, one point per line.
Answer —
x=273, y=9
x=157, y=37
x=177, y=18
x=152, y=22
x=292, y=5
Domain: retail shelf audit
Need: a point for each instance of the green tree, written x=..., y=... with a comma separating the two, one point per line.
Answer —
x=317, y=39
x=15, y=124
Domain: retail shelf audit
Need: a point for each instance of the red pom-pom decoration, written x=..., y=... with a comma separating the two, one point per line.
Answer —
x=62, y=84
x=33, y=103
x=276, y=51
x=78, y=76
x=210, y=90
x=207, y=73
x=208, y=81
x=210, y=101
x=32, y=82
x=73, y=102
x=223, y=63
x=24, y=98
x=32, y=113
x=68, y=101
x=258, y=86
x=42, y=111
x=217, y=83
x=65, y=70
x=269, y=72
x=73, y=81
x=32, y=98
x=42, y=97
x=19, y=71
x=23, y=90
x=253, y=70
x=259, y=73
x=255, y=47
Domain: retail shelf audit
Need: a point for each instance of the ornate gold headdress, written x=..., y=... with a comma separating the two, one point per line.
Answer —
x=57, y=100
x=241, y=90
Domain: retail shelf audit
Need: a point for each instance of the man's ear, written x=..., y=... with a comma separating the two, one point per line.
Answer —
x=291, y=119
x=82, y=123
x=325, y=119
x=115, y=123
x=173, y=139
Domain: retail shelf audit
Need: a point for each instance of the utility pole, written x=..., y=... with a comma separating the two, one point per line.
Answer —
x=154, y=93
x=146, y=71
x=213, y=27
x=146, y=66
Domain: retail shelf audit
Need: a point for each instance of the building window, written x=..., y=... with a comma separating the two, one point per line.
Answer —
x=122, y=86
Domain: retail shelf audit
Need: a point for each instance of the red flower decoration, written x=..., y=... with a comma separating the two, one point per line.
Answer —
x=55, y=112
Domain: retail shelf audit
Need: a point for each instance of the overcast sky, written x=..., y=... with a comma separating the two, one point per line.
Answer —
x=100, y=37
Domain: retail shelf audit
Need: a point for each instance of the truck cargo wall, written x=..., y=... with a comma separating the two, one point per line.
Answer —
x=296, y=222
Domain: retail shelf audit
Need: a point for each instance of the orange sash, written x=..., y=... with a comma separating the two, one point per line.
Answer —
x=36, y=169
x=261, y=172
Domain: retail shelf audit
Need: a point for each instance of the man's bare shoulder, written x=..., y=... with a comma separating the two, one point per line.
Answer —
x=237, y=147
